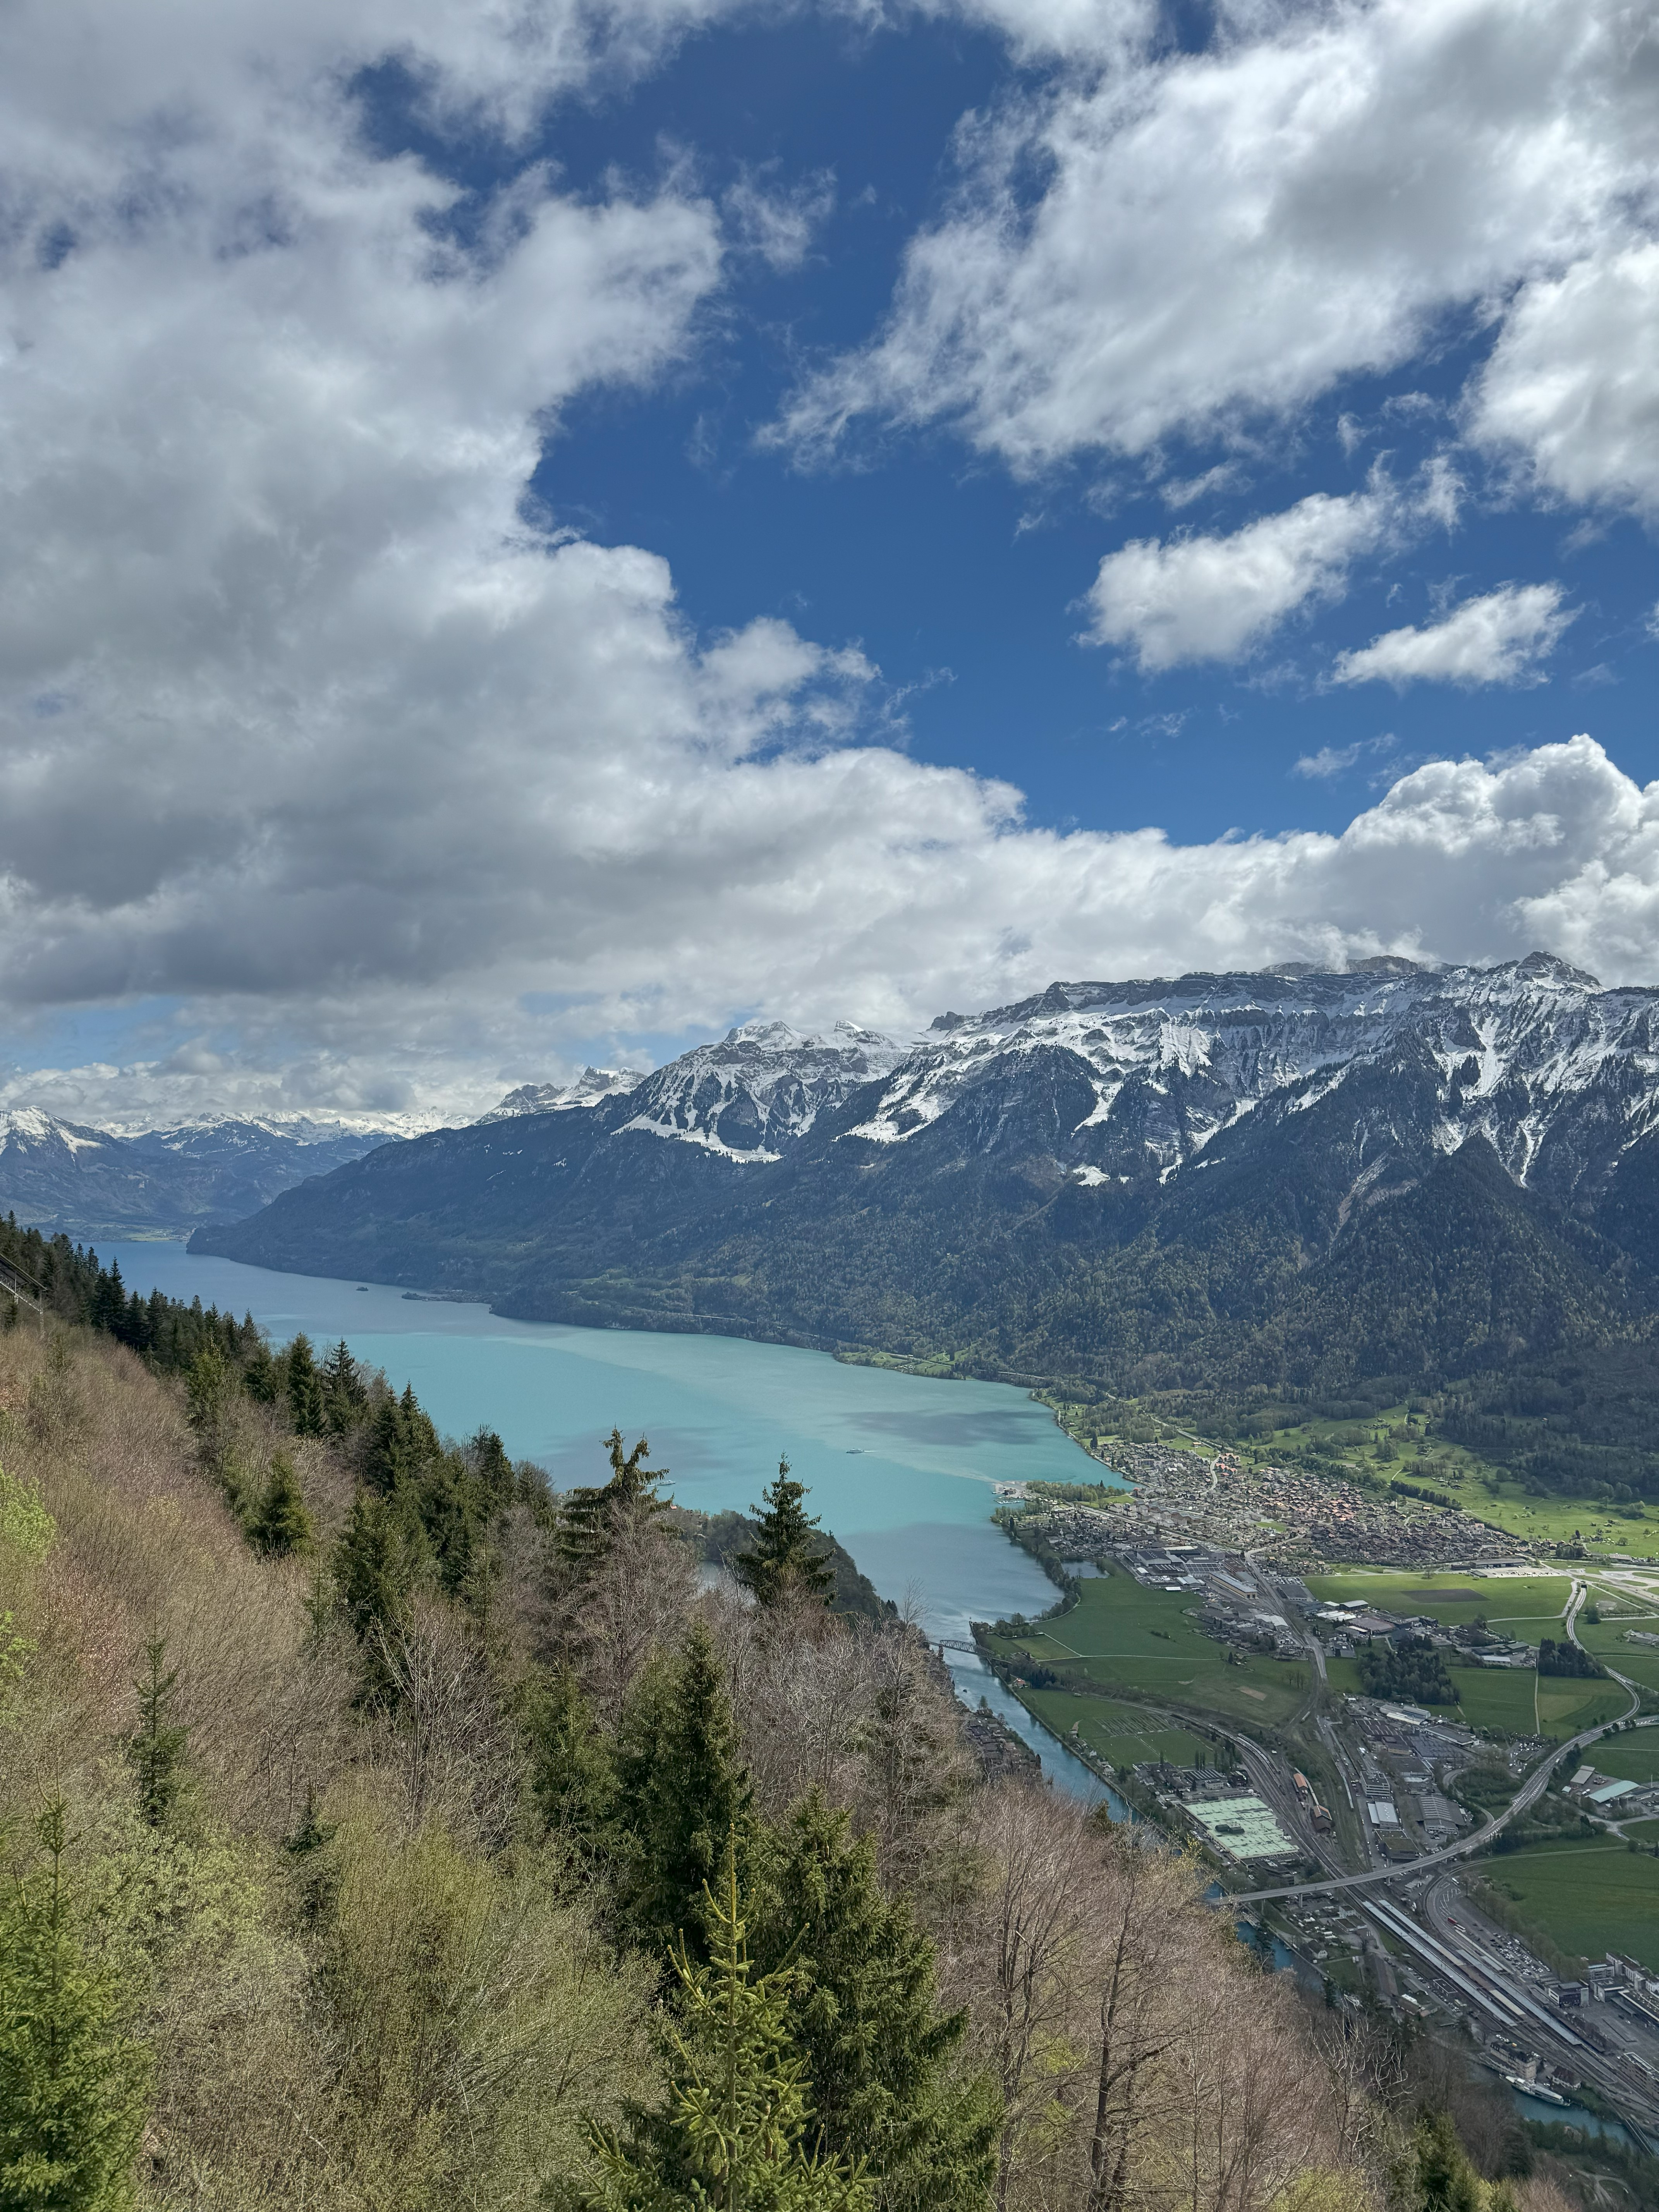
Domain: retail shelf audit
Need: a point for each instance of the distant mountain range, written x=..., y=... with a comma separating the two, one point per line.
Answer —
x=57, y=1175
x=1294, y=1179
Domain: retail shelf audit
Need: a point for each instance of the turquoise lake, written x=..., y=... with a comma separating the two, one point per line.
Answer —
x=901, y=1469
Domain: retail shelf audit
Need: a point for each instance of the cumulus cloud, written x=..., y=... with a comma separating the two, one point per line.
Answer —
x=1216, y=599
x=1228, y=233
x=1499, y=638
x=1573, y=387
x=315, y=741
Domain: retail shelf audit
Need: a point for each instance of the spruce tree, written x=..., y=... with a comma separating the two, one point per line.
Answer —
x=156, y=1749
x=305, y=1390
x=735, y=2133
x=587, y=1516
x=280, y=1526
x=682, y=1791
x=572, y=1770
x=205, y=1390
x=73, y=2088
x=788, y=1558
x=343, y=1394
x=261, y=1375
x=879, y=2050
x=370, y=1579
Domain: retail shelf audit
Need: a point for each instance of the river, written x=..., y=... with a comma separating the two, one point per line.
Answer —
x=903, y=1469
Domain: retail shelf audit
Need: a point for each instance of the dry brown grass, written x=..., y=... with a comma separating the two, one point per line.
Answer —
x=145, y=1548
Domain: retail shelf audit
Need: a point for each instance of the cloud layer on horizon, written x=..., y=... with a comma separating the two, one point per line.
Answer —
x=315, y=731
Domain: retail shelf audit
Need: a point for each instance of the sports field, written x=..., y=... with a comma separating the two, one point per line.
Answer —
x=1123, y=1735
x=1121, y=1634
x=1590, y=1896
x=1522, y=1605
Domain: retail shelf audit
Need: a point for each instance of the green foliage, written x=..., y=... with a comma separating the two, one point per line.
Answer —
x=157, y=1748
x=588, y=1515
x=736, y=2132
x=1446, y=2181
x=304, y=1388
x=788, y=1557
x=26, y=1527
x=371, y=1578
x=344, y=1394
x=682, y=1791
x=1566, y=1658
x=281, y=1527
x=1410, y=1668
x=878, y=2050
x=572, y=1772
x=73, y=2086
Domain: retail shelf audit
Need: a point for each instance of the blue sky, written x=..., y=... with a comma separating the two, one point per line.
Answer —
x=534, y=534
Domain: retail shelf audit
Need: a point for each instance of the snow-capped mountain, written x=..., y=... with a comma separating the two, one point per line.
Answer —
x=587, y=1089
x=1393, y=1171
x=102, y=1182
x=761, y=1089
x=1513, y=1054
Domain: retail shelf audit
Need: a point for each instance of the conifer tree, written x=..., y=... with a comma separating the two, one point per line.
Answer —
x=156, y=1749
x=487, y=1457
x=205, y=1390
x=73, y=2088
x=343, y=1394
x=1446, y=2182
x=369, y=1580
x=261, y=1377
x=682, y=1791
x=280, y=1526
x=877, y=2047
x=735, y=2134
x=305, y=1388
x=572, y=1770
x=587, y=1516
x=448, y=1507
x=787, y=1559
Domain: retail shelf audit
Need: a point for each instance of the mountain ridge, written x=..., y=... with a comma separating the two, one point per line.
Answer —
x=1244, y=1179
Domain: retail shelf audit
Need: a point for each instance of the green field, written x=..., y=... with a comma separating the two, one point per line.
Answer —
x=1122, y=1636
x=1122, y=1735
x=1522, y=1606
x=1589, y=1897
x=1629, y=1757
x=1493, y=1697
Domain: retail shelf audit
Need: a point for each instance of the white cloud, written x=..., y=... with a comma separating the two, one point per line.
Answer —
x=1228, y=233
x=1499, y=638
x=314, y=744
x=1573, y=385
x=1329, y=761
x=1215, y=598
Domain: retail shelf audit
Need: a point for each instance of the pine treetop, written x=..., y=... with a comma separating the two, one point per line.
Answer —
x=786, y=1559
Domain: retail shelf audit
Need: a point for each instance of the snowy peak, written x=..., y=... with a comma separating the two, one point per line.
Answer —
x=760, y=1089
x=587, y=1089
x=1168, y=1065
x=26, y=1129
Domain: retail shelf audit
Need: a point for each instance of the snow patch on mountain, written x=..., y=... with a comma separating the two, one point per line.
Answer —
x=587, y=1089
